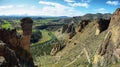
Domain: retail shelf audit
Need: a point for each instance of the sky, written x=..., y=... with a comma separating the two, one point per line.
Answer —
x=57, y=7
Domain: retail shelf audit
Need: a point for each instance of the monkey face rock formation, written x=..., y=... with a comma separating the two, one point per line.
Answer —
x=108, y=52
x=27, y=32
x=102, y=24
x=27, y=26
x=21, y=46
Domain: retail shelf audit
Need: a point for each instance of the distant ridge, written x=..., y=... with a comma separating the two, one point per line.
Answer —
x=86, y=17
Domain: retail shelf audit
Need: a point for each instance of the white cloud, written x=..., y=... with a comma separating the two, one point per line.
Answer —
x=53, y=4
x=57, y=9
x=47, y=9
x=69, y=1
x=33, y=7
x=20, y=6
x=86, y=5
x=115, y=3
x=101, y=10
x=82, y=3
x=6, y=7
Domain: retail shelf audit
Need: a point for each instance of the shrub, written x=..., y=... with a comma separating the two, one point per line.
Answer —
x=36, y=36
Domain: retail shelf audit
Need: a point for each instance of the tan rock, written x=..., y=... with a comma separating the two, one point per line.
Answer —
x=109, y=49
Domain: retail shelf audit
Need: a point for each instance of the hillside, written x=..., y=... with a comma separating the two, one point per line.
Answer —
x=74, y=49
x=82, y=50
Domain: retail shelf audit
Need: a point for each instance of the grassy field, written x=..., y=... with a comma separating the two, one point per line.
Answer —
x=45, y=36
x=7, y=25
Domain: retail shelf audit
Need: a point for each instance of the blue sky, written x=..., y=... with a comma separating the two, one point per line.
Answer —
x=57, y=7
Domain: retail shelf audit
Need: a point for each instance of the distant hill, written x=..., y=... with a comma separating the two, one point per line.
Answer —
x=98, y=15
x=20, y=17
x=85, y=17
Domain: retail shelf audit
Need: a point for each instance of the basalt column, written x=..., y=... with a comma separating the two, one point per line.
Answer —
x=27, y=31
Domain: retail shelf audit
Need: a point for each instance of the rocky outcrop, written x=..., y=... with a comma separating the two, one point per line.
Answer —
x=64, y=28
x=115, y=17
x=69, y=29
x=56, y=48
x=102, y=24
x=9, y=55
x=20, y=44
x=108, y=50
x=82, y=25
x=27, y=32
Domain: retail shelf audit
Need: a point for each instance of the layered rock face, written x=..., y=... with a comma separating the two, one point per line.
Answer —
x=108, y=52
x=115, y=17
x=82, y=25
x=69, y=29
x=102, y=24
x=64, y=28
x=56, y=48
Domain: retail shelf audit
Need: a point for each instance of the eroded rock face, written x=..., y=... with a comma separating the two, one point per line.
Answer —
x=108, y=52
x=82, y=25
x=69, y=29
x=27, y=25
x=21, y=45
x=9, y=55
x=27, y=32
x=102, y=24
x=9, y=37
x=56, y=48
x=64, y=28
x=115, y=17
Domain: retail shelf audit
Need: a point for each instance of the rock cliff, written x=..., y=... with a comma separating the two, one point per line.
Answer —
x=108, y=52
